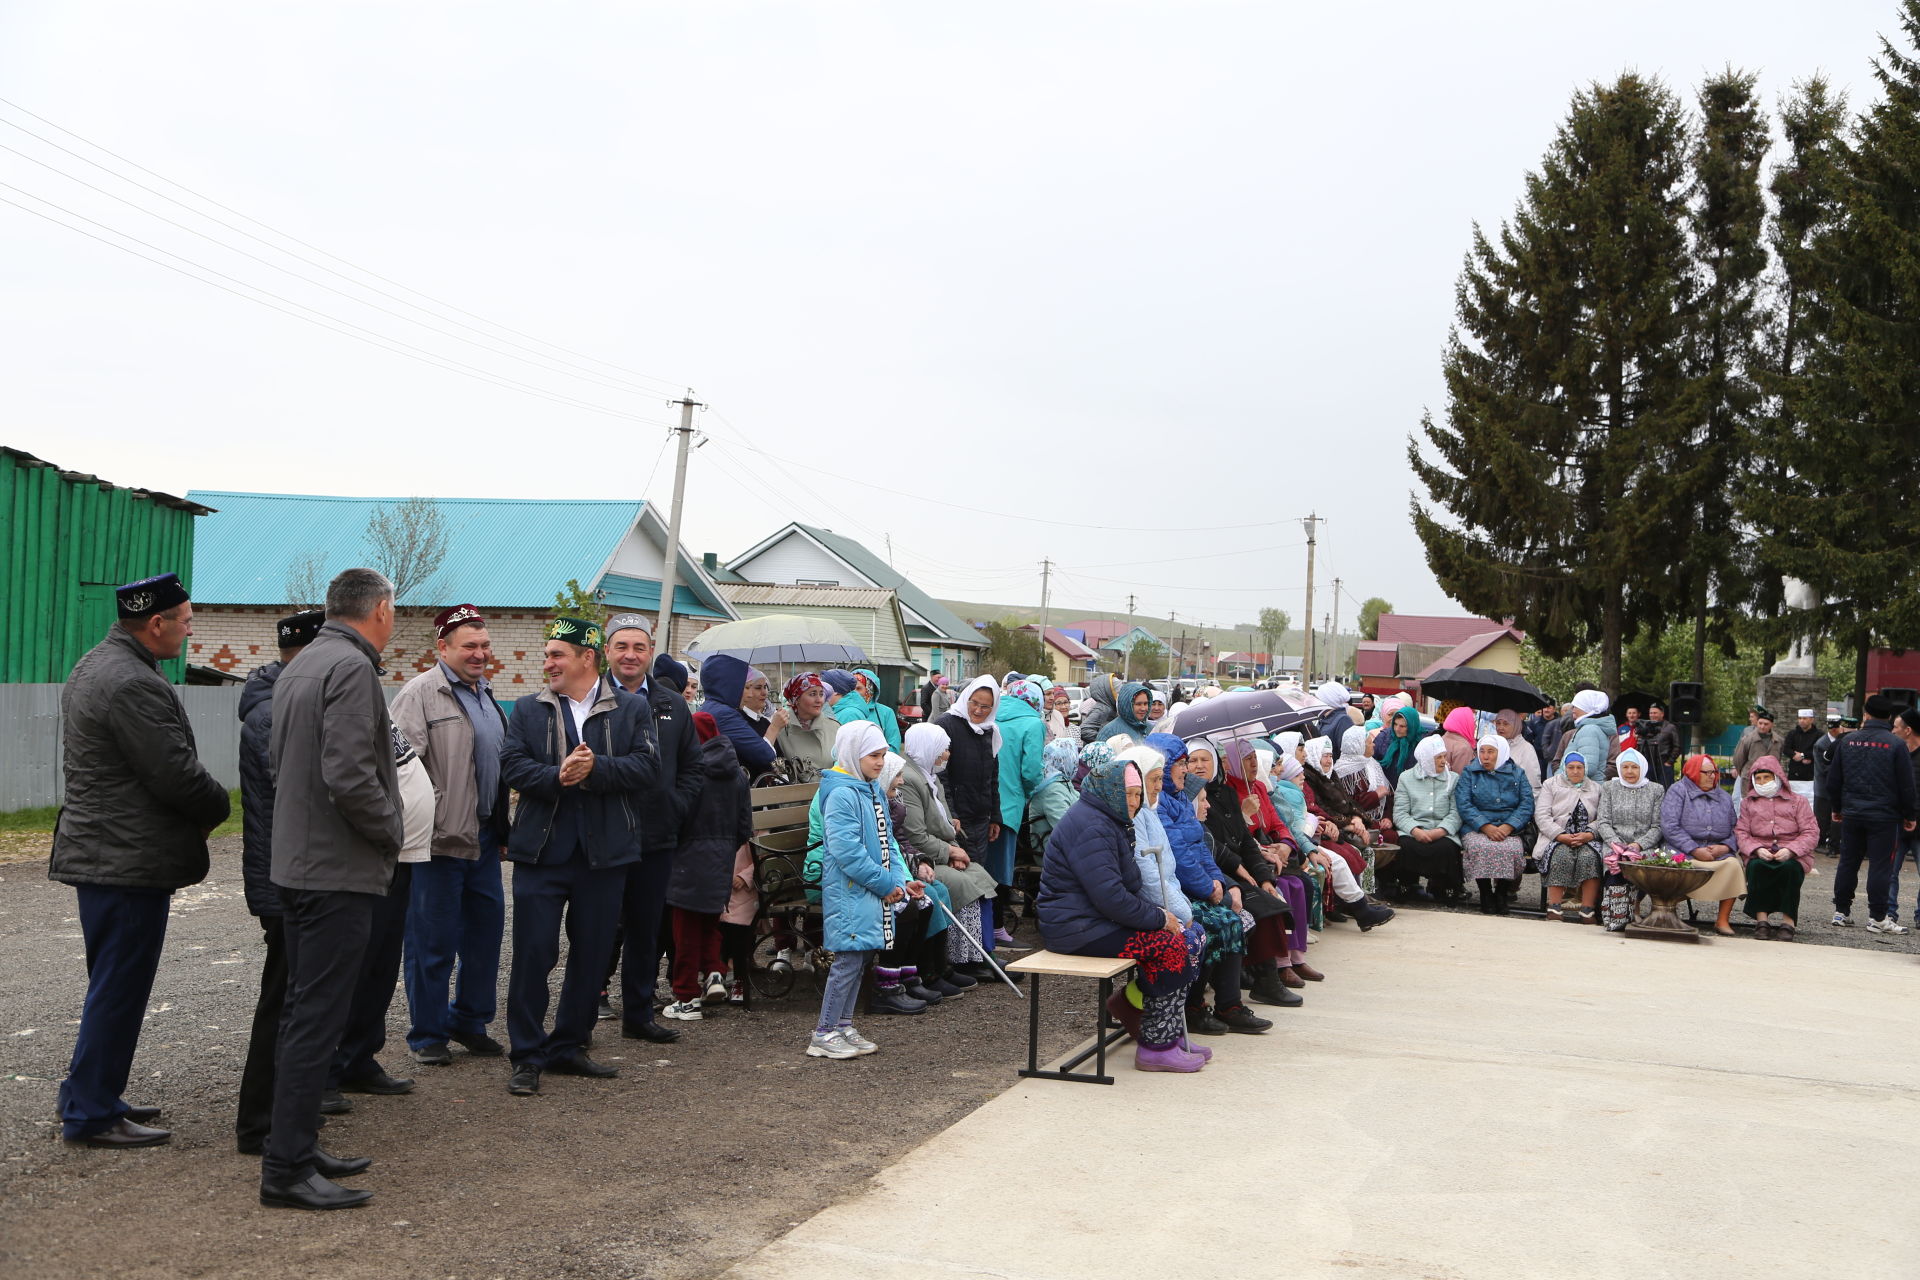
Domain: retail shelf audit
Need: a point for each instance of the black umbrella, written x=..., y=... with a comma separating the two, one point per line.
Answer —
x=1256, y=712
x=1483, y=690
x=1638, y=699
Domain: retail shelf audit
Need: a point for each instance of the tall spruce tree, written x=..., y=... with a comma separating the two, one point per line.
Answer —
x=1727, y=216
x=1567, y=387
x=1843, y=518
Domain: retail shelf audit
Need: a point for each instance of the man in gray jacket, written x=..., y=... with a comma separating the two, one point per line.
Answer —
x=139, y=805
x=336, y=836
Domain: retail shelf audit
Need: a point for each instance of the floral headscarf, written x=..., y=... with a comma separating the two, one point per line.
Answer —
x=1024, y=689
x=1107, y=784
x=1059, y=759
x=802, y=683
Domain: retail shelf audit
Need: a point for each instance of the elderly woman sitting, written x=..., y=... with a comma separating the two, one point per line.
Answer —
x=1093, y=902
x=1569, y=851
x=1697, y=821
x=1774, y=836
x=1628, y=824
x=1495, y=801
x=1428, y=824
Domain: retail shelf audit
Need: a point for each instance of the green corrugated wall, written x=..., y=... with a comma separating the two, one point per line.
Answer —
x=68, y=544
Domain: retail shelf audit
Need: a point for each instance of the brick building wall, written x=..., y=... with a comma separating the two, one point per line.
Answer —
x=238, y=638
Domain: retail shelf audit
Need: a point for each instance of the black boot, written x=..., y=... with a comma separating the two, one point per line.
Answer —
x=1201, y=1022
x=1369, y=914
x=894, y=999
x=1503, y=896
x=1486, y=896
x=1267, y=987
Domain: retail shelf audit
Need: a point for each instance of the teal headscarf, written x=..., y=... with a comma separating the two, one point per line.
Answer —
x=1108, y=785
x=1398, y=757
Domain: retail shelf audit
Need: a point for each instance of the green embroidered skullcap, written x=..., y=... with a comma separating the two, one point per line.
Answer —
x=576, y=631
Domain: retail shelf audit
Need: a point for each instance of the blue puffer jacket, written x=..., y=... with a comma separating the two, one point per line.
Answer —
x=855, y=876
x=1187, y=839
x=1023, y=736
x=725, y=678
x=1485, y=798
x=1089, y=884
x=857, y=706
x=1593, y=738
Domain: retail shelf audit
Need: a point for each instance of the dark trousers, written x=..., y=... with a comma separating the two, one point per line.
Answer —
x=458, y=913
x=1823, y=814
x=124, y=931
x=1878, y=844
x=326, y=940
x=587, y=901
x=366, y=1033
x=643, y=931
x=256, y=1080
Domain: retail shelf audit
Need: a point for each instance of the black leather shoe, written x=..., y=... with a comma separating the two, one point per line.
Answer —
x=479, y=1044
x=948, y=988
x=433, y=1055
x=329, y=1166
x=315, y=1191
x=332, y=1104
x=1275, y=994
x=650, y=1031
x=925, y=994
x=958, y=977
x=524, y=1081
x=579, y=1064
x=1371, y=915
x=1201, y=1022
x=124, y=1133
x=140, y=1115
x=1244, y=1020
x=379, y=1082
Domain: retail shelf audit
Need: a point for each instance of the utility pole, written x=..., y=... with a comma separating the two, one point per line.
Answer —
x=1170, y=652
x=1326, y=620
x=1306, y=662
x=670, y=575
x=1126, y=670
x=1333, y=637
x=1046, y=571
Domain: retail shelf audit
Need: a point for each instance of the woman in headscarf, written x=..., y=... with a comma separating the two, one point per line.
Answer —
x=1022, y=739
x=1427, y=824
x=1059, y=763
x=1263, y=857
x=1332, y=806
x=806, y=743
x=1568, y=850
x=1398, y=740
x=1103, y=695
x=1697, y=821
x=1094, y=902
x=1130, y=714
x=1629, y=825
x=1365, y=782
x=862, y=703
x=1495, y=800
x=726, y=678
x=1458, y=731
x=1156, y=708
x=754, y=697
x=1593, y=732
x=1058, y=707
x=973, y=777
x=1508, y=724
x=1776, y=834
x=930, y=831
x=1214, y=899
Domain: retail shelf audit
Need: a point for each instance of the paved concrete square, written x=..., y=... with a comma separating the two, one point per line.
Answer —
x=1463, y=1097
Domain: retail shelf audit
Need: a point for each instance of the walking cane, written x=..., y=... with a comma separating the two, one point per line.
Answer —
x=955, y=922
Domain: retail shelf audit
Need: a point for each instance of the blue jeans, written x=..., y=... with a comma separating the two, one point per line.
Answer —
x=843, y=988
x=457, y=912
x=124, y=930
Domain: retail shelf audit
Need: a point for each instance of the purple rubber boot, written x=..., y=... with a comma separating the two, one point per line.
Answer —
x=1171, y=1058
x=1199, y=1050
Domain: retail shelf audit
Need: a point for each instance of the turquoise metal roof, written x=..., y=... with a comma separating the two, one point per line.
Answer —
x=505, y=552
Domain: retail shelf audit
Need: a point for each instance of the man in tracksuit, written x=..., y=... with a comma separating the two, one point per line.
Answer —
x=1871, y=787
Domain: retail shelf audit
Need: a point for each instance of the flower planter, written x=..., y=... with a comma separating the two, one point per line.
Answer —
x=1666, y=888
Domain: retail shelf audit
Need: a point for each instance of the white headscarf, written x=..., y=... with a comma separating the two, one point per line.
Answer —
x=1499, y=744
x=890, y=769
x=1355, y=762
x=1318, y=749
x=1430, y=756
x=966, y=695
x=1288, y=742
x=854, y=742
x=1631, y=756
x=1591, y=702
x=1334, y=694
x=1148, y=760
x=925, y=744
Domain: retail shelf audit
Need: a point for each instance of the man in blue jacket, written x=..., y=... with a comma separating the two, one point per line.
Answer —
x=1871, y=787
x=582, y=756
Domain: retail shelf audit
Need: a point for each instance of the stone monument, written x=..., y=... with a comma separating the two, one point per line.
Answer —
x=1793, y=683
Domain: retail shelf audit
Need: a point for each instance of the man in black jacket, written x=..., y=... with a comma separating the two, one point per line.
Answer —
x=139, y=806
x=665, y=806
x=1798, y=745
x=1822, y=761
x=1871, y=787
x=583, y=759
x=255, y=1114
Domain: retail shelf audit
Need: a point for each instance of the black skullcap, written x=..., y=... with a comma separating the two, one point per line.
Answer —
x=1881, y=707
x=300, y=629
x=149, y=596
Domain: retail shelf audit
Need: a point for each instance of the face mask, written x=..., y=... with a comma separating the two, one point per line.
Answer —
x=1768, y=789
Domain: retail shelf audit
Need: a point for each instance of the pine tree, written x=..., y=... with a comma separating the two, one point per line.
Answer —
x=1567, y=389
x=1843, y=518
x=1727, y=216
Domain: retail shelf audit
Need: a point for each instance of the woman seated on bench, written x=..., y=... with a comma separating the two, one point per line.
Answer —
x=1093, y=903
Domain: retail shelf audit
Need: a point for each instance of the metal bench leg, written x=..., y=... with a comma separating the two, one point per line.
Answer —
x=1033, y=1028
x=1099, y=1025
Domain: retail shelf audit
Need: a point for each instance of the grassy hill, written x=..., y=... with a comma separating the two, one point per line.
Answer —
x=1224, y=639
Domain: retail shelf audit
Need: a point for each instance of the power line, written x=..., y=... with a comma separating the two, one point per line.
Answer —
x=315, y=316
x=664, y=383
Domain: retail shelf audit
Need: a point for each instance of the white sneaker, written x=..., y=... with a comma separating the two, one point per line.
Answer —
x=1841, y=920
x=782, y=960
x=1888, y=928
x=685, y=1010
x=716, y=986
x=858, y=1041
x=830, y=1044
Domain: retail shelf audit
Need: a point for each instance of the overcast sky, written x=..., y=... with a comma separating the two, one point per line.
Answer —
x=1161, y=277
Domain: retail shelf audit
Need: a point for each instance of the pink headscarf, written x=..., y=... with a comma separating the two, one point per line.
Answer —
x=1462, y=721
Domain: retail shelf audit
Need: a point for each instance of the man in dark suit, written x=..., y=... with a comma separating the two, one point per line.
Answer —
x=582, y=756
x=674, y=792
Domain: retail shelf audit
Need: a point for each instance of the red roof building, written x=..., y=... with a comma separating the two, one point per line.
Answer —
x=1420, y=628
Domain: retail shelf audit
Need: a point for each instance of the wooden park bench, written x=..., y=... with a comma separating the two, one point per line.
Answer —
x=1105, y=1031
x=779, y=866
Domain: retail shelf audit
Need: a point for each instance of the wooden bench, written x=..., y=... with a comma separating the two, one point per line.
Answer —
x=779, y=869
x=1105, y=1031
